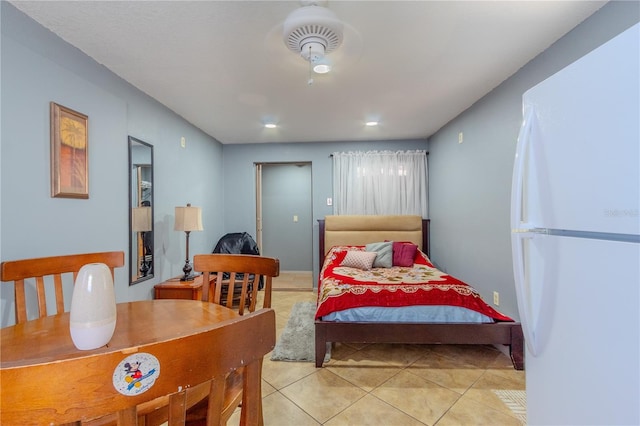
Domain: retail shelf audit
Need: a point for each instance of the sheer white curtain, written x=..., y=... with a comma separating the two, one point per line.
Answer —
x=380, y=182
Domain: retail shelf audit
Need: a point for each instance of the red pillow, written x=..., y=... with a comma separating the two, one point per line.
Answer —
x=403, y=253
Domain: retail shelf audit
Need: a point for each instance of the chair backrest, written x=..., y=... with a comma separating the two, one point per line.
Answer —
x=244, y=272
x=199, y=358
x=55, y=266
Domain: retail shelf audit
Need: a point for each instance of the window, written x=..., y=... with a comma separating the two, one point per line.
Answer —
x=380, y=182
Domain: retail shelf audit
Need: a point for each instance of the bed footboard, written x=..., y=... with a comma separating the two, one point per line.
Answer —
x=505, y=333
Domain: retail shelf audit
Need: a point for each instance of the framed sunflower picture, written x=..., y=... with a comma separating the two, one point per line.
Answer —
x=69, y=153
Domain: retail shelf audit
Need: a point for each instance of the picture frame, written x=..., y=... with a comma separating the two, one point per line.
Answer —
x=69, y=153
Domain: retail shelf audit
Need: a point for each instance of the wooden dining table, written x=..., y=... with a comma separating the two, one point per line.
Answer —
x=43, y=376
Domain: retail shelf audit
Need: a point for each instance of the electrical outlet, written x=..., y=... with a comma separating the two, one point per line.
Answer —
x=460, y=137
x=496, y=298
x=183, y=142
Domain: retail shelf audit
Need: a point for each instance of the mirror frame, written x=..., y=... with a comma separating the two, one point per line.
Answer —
x=139, y=239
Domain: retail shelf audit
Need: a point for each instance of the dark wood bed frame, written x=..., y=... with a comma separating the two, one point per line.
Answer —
x=502, y=333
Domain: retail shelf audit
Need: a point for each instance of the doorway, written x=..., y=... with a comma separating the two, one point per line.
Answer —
x=284, y=216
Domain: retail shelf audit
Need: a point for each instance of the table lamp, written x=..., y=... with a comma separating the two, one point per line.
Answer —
x=188, y=219
x=141, y=222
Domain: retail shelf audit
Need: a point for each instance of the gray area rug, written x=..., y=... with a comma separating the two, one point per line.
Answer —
x=297, y=341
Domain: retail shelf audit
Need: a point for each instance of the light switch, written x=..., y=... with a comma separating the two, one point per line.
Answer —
x=295, y=217
x=329, y=201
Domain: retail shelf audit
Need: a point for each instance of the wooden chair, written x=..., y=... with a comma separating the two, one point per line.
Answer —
x=80, y=389
x=244, y=272
x=38, y=268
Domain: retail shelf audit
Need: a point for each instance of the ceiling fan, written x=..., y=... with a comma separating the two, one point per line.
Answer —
x=313, y=31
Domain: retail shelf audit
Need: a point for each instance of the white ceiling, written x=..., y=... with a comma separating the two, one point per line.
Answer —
x=224, y=67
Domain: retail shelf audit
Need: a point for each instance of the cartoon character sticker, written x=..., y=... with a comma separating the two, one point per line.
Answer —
x=136, y=374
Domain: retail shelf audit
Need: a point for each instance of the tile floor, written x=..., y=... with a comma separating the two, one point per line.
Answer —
x=293, y=280
x=389, y=384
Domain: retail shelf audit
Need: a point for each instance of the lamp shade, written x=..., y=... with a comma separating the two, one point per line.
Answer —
x=93, y=307
x=188, y=218
x=141, y=219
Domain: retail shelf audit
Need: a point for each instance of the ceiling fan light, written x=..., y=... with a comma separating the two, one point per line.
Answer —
x=321, y=68
x=321, y=65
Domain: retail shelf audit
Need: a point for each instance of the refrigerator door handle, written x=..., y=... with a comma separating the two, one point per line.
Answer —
x=517, y=188
x=521, y=230
x=522, y=292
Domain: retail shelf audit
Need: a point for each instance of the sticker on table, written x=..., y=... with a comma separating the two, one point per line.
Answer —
x=136, y=374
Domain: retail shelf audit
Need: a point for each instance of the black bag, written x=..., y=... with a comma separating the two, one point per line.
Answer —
x=238, y=243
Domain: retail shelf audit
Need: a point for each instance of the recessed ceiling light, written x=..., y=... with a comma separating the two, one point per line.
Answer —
x=371, y=123
x=270, y=125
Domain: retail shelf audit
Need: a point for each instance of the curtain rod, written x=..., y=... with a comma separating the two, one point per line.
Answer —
x=331, y=155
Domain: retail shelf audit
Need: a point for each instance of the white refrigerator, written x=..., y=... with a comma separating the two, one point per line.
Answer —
x=575, y=219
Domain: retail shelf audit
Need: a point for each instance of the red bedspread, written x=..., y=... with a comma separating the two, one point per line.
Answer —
x=343, y=287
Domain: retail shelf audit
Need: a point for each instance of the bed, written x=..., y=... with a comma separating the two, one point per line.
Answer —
x=345, y=287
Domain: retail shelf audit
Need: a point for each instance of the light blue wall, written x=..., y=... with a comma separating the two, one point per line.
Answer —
x=470, y=183
x=37, y=68
x=239, y=177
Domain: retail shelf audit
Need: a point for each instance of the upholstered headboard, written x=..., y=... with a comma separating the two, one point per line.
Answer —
x=364, y=229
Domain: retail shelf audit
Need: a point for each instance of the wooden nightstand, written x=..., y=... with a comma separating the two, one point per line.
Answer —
x=173, y=288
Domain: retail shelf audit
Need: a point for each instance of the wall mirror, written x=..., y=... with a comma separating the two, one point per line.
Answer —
x=140, y=210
